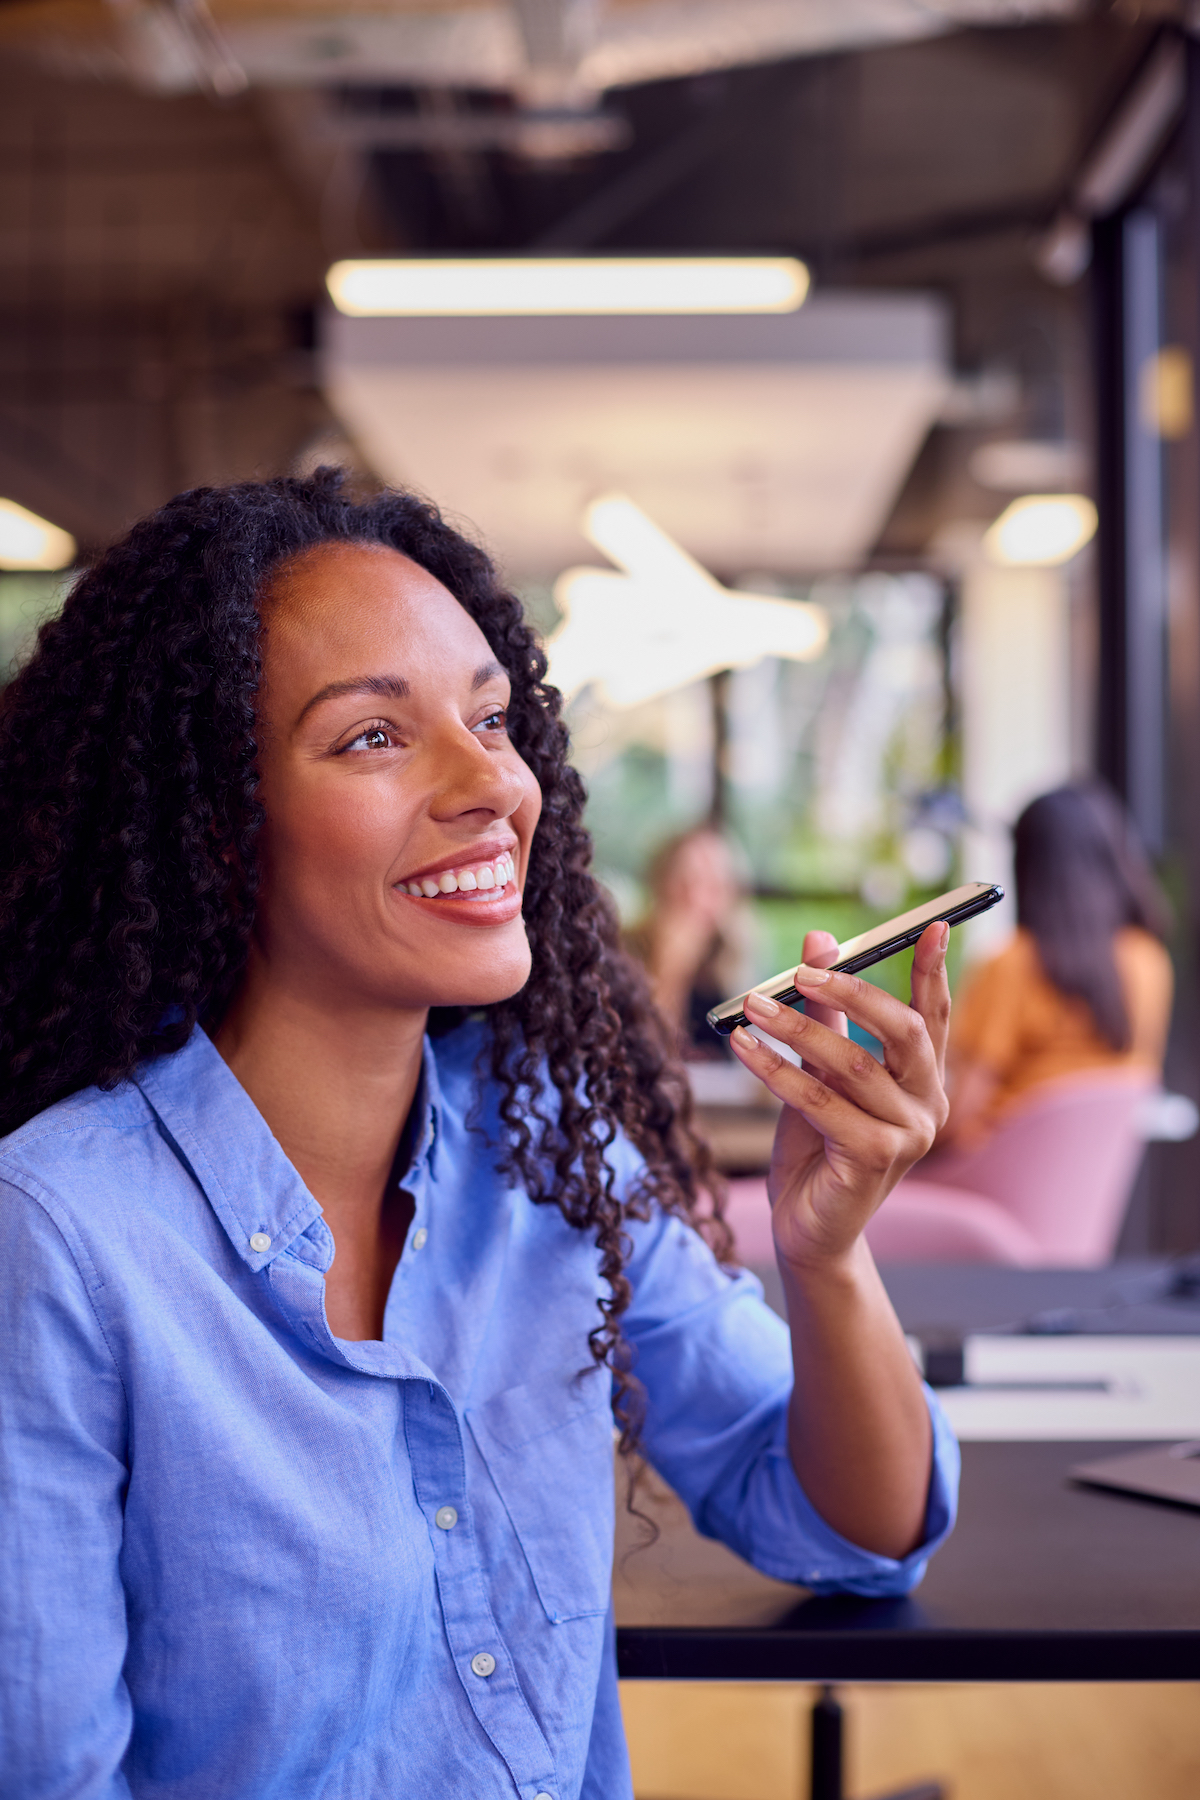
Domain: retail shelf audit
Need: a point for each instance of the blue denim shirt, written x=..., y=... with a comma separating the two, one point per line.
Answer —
x=244, y=1558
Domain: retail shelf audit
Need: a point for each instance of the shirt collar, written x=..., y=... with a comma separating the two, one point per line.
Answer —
x=215, y=1127
x=429, y=1095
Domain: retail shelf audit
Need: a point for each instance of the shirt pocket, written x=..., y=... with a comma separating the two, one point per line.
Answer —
x=548, y=1448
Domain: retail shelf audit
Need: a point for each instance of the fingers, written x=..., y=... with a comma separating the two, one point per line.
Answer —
x=909, y=1052
x=820, y=949
x=834, y=1057
x=866, y=1141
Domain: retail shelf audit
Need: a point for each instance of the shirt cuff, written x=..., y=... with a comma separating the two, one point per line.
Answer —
x=792, y=1542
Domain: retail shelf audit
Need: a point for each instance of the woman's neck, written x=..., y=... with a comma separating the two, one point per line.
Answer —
x=335, y=1086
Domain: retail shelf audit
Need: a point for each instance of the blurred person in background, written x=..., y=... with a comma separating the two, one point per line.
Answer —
x=694, y=937
x=1085, y=983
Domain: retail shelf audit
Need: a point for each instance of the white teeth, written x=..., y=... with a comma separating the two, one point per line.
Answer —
x=496, y=874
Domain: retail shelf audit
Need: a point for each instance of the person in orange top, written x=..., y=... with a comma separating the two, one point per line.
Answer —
x=1084, y=983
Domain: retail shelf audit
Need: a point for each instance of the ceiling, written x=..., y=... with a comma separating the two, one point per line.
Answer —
x=162, y=253
x=549, y=51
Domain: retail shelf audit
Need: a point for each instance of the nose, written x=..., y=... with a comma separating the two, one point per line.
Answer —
x=473, y=778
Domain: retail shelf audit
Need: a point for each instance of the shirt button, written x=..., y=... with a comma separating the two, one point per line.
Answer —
x=419, y=1238
x=543, y=1797
x=446, y=1518
x=260, y=1241
x=483, y=1664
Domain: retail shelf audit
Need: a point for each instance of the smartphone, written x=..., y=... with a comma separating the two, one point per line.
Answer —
x=870, y=947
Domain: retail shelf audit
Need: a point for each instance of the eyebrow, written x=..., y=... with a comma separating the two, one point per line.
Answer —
x=390, y=687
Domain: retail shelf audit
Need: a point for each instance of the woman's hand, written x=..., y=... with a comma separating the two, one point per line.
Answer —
x=851, y=1126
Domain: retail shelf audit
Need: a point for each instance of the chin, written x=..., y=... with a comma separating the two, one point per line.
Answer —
x=481, y=978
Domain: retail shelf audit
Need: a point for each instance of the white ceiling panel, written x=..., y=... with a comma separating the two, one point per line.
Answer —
x=768, y=443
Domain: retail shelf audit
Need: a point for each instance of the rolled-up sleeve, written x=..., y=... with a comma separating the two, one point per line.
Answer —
x=716, y=1364
x=64, y=1708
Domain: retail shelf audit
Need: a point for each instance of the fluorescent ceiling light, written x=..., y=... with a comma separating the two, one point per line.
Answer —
x=481, y=287
x=664, y=621
x=27, y=542
x=1041, y=530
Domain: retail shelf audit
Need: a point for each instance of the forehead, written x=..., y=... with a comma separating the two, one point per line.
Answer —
x=343, y=607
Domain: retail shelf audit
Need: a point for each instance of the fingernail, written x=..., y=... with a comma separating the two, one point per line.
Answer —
x=806, y=977
x=743, y=1037
x=762, y=1003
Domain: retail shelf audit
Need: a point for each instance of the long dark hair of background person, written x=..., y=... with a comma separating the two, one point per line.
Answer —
x=129, y=818
x=1081, y=874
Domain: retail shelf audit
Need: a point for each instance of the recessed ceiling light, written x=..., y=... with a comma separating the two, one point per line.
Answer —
x=481, y=287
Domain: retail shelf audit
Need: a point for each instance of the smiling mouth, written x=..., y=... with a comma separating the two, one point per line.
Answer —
x=487, y=878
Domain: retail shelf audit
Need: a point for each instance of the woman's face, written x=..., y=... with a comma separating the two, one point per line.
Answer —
x=701, y=878
x=399, y=816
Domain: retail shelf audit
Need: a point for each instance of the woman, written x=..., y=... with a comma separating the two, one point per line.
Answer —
x=1085, y=982
x=339, y=1131
x=691, y=939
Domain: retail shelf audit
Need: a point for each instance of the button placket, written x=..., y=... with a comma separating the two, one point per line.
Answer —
x=416, y=1186
x=434, y=1436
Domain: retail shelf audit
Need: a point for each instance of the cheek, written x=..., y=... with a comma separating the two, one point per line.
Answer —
x=328, y=834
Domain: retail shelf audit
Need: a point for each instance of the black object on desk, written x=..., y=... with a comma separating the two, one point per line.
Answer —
x=1147, y=1297
x=1042, y=1580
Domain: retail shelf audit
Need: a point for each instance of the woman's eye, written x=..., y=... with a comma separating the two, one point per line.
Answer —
x=495, y=721
x=374, y=737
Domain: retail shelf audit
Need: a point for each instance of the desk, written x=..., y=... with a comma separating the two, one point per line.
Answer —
x=1041, y=1580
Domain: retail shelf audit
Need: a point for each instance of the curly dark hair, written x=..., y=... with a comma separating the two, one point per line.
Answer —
x=128, y=823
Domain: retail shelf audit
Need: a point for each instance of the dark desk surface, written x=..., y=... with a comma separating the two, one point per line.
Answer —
x=1143, y=1298
x=1041, y=1581
x=1153, y=1298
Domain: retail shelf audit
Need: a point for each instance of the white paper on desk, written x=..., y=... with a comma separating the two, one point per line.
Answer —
x=1153, y=1388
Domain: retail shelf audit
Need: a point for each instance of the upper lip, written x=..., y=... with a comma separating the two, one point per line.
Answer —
x=487, y=852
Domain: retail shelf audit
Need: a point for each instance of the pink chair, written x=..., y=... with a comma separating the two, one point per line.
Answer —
x=1049, y=1186
x=970, y=1229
